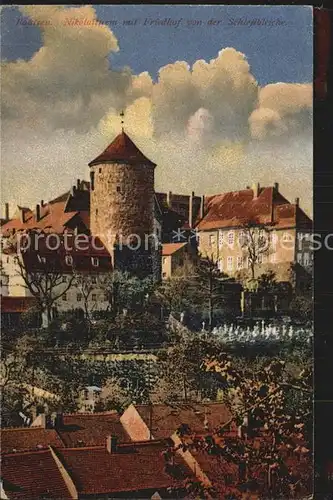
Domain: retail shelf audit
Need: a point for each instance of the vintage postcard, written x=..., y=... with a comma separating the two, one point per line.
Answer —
x=156, y=252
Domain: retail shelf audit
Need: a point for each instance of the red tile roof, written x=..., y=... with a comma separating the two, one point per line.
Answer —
x=237, y=208
x=135, y=467
x=171, y=248
x=28, y=438
x=122, y=149
x=16, y=304
x=91, y=429
x=32, y=475
x=166, y=418
x=53, y=219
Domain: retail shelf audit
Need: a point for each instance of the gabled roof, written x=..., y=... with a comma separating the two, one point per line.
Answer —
x=91, y=429
x=122, y=149
x=28, y=438
x=236, y=208
x=33, y=475
x=166, y=419
x=133, y=467
x=172, y=248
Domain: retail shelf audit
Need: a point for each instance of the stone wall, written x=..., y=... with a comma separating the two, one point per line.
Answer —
x=122, y=201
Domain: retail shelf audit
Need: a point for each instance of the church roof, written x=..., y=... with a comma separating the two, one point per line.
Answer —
x=122, y=149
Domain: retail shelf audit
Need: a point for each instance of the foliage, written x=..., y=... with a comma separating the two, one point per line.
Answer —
x=126, y=291
x=301, y=307
x=113, y=396
x=195, y=288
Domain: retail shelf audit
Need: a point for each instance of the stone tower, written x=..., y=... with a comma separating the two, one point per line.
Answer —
x=122, y=201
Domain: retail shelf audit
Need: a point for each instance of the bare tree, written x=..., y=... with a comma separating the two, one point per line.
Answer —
x=86, y=284
x=255, y=243
x=45, y=282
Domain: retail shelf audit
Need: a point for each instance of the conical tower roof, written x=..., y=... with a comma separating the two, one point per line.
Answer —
x=122, y=149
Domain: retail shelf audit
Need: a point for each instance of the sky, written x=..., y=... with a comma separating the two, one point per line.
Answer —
x=216, y=106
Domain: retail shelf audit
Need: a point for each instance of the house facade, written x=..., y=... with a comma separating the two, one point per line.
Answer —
x=257, y=225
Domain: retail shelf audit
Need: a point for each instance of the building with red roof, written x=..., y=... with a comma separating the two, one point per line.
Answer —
x=119, y=208
x=229, y=218
x=35, y=475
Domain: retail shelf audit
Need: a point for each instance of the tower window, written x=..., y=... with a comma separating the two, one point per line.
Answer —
x=100, y=170
x=96, y=211
x=69, y=260
x=92, y=180
x=118, y=189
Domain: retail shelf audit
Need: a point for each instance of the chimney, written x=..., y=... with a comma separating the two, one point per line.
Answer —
x=37, y=212
x=169, y=197
x=276, y=186
x=7, y=211
x=256, y=189
x=297, y=202
x=190, y=210
x=112, y=444
x=202, y=207
x=78, y=184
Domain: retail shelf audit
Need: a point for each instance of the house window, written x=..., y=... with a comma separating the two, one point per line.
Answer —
x=79, y=297
x=242, y=238
x=306, y=259
x=94, y=280
x=118, y=189
x=220, y=264
x=231, y=238
x=94, y=297
x=273, y=258
x=220, y=239
x=240, y=262
x=100, y=170
x=164, y=275
x=230, y=263
x=94, y=261
x=69, y=260
x=274, y=240
x=92, y=180
x=212, y=239
x=64, y=297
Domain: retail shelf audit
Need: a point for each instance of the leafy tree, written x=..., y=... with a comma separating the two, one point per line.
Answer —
x=126, y=291
x=113, y=396
x=196, y=287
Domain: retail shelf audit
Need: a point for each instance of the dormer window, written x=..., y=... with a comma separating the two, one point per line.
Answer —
x=95, y=261
x=69, y=260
